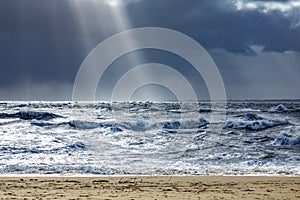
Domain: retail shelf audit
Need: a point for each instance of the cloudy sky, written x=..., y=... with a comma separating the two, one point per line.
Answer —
x=255, y=44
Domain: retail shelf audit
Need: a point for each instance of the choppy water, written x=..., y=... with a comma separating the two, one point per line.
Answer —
x=257, y=138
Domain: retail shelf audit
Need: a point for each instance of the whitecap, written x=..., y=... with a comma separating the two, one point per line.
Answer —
x=279, y=109
x=254, y=122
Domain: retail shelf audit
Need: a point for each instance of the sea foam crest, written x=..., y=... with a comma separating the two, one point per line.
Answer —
x=185, y=124
x=285, y=139
x=254, y=122
x=279, y=109
x=77, y=124
x=27, y=115
x=290, y=136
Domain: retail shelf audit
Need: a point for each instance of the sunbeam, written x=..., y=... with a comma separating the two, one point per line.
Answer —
x=110, y=14
x=104, y=17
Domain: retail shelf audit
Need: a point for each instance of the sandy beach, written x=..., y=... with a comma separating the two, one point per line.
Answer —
x=150, y=187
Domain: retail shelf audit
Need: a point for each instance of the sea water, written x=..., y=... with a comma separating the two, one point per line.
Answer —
x=150, y=138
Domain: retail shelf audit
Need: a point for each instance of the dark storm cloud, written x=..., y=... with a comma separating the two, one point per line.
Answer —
x=35, y=42
x=268, y=75
x=44, y=42
x=219, y=24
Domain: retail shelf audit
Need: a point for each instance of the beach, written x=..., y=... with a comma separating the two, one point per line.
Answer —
x=150, y=187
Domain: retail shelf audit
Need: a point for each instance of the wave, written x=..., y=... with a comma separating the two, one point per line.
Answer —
x=27, y=115
x=286, y=139
x=241, y=110
x=186, y=124
x=279, y=109
x=251, y=117
x=77, y=145
x=60, y=169
x=254, y=122
x=139, y=126
x=38, y=150
x=283, y=109
x=79, y=125
x=289, y=137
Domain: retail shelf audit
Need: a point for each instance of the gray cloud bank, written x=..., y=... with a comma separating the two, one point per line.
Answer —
x=255, y=44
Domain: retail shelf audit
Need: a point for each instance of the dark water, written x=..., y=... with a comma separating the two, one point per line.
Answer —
x=254, y=138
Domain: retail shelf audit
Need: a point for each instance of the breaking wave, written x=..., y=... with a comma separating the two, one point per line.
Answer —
x=140, y=125
x=27, y=115
x=288, y=137
x=79, y=125
x=254, y=122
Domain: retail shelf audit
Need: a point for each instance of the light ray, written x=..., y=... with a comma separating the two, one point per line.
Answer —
x=156, y=74
x=110, y=18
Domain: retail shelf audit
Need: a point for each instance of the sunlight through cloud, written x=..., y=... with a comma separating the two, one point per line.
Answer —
x=113, y=2
x=116, y=12
x=101, y=11
x=289, y=9
x=119, y=2
x=267, y=6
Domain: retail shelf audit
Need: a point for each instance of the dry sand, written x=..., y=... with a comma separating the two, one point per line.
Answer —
x=150, y=187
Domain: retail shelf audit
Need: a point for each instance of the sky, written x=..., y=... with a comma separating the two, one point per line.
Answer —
x=255, y=45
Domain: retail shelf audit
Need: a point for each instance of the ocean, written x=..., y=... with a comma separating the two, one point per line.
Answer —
x=150, y=138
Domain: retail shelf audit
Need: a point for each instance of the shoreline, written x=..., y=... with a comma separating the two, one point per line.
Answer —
x=136, y=175
x=150, y=187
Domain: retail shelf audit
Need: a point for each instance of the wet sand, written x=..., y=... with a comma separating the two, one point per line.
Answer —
x=150, y=187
